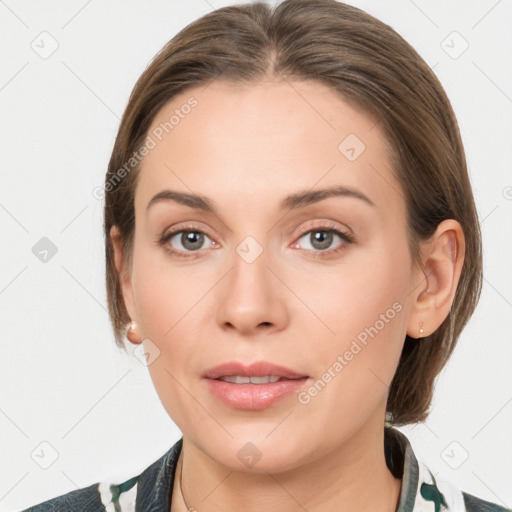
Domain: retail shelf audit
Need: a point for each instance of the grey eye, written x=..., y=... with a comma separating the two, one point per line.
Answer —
x=320, y=239
x=190, y=240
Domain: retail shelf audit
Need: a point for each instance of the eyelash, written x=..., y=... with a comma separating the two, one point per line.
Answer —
x=328, y=228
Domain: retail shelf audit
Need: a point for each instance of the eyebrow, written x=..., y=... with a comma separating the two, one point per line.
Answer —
x=291, y=202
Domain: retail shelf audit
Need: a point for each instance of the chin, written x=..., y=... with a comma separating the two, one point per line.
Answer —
x=257, y=453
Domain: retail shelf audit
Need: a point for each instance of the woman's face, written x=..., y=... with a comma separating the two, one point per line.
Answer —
x=320, y=284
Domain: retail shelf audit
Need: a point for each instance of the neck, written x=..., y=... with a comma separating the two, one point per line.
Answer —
x=354, y=476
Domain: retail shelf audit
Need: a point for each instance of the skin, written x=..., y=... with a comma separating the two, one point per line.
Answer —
x=246, y=148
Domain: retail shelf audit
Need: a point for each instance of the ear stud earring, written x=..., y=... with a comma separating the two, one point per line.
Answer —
x=130, y=333
x=421, y=328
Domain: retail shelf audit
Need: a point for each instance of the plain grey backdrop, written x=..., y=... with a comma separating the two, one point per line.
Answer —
x=75, y=410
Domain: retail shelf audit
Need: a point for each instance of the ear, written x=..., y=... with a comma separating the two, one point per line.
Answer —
x=124, y=273
x=443, y=257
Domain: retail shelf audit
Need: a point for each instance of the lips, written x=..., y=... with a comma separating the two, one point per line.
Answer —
x=253, y=395
x=258, y=369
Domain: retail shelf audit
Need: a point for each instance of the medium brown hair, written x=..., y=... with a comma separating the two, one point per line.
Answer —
x=374, y=69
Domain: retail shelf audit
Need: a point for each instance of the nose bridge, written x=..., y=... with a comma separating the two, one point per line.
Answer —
x=249, y=296
x=250, y=278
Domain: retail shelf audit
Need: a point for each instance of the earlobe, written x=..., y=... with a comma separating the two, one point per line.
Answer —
x=443, y=257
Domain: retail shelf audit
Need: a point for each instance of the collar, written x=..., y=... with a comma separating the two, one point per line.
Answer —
x=155, y=484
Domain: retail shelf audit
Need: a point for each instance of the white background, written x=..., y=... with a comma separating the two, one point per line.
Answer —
x=63, y=381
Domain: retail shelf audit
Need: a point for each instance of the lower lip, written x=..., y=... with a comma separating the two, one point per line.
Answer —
x=253, y=396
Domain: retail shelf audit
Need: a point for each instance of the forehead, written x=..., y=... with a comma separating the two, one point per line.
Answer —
x=263, y=141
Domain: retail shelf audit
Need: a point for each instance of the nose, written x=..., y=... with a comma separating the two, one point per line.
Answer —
x=251, y=298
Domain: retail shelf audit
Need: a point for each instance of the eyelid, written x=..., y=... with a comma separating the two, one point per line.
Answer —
x=188, y=226
x=325, y=224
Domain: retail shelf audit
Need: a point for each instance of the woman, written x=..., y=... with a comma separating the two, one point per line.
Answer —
x=292, y=240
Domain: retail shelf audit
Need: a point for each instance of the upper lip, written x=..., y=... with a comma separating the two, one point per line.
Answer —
x=258, y=369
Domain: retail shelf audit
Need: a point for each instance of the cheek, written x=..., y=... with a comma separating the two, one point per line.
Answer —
x=168, y=299
x=363, y=307
x=369, y=288
x=165, y=292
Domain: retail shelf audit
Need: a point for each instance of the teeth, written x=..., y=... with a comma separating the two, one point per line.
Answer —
x=238, y=379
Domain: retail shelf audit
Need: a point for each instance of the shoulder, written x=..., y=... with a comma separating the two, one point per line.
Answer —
x=94, y=498
x=424, y=490
x=446, y=496
x=151, y=487
x=474, y=504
